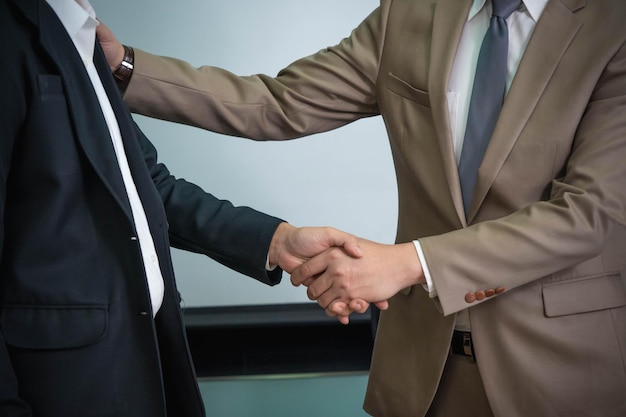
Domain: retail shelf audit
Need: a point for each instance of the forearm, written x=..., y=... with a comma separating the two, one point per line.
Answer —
x=236, y=236
x=326, y=90
x=533, y=243
x=258, y=107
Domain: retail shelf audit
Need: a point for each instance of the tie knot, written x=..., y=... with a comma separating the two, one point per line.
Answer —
x=504, y=8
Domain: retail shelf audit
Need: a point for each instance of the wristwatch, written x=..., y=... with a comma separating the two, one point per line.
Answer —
x=124, y=71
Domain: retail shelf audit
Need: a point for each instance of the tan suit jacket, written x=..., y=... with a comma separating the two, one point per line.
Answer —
x=548, y=219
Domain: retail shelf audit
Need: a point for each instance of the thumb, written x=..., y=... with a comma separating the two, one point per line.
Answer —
x=349, y=242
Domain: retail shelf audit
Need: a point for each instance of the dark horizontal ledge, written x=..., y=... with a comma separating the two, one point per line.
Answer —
x=264, y=315
x=277, y=339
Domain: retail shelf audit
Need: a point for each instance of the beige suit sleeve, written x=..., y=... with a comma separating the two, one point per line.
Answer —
x=318, y=93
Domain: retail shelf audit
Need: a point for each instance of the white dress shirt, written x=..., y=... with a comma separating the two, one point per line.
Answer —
x=79, y=19
x=521, y=24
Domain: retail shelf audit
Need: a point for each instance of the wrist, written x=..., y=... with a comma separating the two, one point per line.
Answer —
x=413, y=268
x=278, y=243
x=124, y=70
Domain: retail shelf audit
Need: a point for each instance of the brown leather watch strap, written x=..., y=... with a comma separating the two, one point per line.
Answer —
x=124, y=71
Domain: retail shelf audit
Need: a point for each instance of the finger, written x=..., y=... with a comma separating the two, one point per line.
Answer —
x=359, y=306
x=310, y=269
x=319, y=290
x=349, y=242
x=325, y=293
x=338, y=308
x=352, y=248
x=382, y=305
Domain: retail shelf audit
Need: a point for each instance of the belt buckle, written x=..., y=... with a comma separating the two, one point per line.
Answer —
x=468, y=347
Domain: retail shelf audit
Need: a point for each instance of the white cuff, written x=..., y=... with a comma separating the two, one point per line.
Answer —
x=269, y=267
x=429, y=286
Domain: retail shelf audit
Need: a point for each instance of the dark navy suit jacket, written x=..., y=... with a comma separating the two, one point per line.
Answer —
x=77, y=337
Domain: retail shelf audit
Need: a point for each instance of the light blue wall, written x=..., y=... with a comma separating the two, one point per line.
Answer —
x=300, y=396
x=343, y=178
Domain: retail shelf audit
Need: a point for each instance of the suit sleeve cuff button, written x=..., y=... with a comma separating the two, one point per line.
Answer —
x=470, y=297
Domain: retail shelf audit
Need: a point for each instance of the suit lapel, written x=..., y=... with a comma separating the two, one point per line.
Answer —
x=552, y=35
x=90, y=127
x=449, y=19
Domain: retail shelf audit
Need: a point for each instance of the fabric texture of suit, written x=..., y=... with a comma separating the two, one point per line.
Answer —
x=77, y=337
x=547, y=221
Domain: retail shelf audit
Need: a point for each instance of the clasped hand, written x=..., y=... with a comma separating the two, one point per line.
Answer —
x=343, y=281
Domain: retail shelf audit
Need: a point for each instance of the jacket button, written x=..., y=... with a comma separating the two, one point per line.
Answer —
x=480, y=295
x=499, y=290
x=470, y=297
x=490, y=292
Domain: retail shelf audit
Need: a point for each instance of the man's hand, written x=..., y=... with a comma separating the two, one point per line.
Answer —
x=291, y=246
x=342, y=284
x=113, y=49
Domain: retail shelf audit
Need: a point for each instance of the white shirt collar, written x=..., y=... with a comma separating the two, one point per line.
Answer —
x=79, y=19
x=535, y=8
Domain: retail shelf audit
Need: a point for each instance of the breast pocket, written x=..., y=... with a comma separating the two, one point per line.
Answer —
x=50, y=148
x=50, y=87
x=409, y=121
x=398, y=86
x=52, y=109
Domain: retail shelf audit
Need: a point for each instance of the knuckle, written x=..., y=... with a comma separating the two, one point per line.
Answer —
x=304, y=271
x=310, y=292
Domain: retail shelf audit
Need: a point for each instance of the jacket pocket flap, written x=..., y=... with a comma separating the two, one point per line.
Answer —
x=584, y=295
x=53, y=327
x=406, y=90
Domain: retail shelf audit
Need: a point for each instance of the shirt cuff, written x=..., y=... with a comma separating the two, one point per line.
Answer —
x=430, y=285
x=269, y=267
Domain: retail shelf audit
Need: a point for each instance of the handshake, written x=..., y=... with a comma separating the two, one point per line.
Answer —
x=343, y=273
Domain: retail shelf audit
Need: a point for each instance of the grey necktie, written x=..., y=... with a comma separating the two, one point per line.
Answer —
x=487, y=96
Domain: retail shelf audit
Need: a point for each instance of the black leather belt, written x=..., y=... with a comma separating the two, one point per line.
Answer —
x=462, y=344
